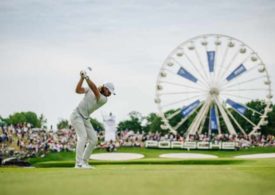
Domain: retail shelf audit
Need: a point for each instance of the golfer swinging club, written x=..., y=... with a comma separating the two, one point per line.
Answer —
x=94, y=98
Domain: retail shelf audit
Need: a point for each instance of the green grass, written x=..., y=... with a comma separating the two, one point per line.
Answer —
x=150, y=175
x=151, y=156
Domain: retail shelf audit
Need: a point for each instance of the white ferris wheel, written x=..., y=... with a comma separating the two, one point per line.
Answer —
x=207, y=82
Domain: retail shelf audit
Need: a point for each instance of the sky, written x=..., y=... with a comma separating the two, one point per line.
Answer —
x=45, y=44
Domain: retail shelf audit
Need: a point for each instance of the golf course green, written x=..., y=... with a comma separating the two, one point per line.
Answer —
x=54, y=174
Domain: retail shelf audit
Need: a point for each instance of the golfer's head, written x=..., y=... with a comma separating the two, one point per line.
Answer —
x=108, y=89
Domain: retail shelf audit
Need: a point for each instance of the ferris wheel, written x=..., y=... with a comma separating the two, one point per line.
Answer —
x=208, y=82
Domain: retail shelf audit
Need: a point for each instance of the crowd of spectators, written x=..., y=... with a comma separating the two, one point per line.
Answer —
x=26, y=141
x=130, y=139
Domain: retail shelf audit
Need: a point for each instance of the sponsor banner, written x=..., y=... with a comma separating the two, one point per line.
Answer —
x=188, y=109
x=213, y=119
x=203, y=145
x=190, y=145
x=238, y=107
x=228, y=145
x=238, y=71
x=176, y=144
x=184, y=73
x=164, y=144
x=211, y=60
x=216, y=145
x=151, y=144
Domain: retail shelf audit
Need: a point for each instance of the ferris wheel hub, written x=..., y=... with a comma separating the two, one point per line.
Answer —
x=214, y=91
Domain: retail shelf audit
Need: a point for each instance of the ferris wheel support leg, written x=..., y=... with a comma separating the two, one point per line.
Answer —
x=218, y=120
x=236, y=122
x=201, y=125
x=198, y=119
x=253, y=131
x=204, y=118
x=226, y=119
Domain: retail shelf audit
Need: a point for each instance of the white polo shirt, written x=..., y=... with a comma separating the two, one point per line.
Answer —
x=89, y=103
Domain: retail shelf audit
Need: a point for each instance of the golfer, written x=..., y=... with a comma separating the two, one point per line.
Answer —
x=94, y=98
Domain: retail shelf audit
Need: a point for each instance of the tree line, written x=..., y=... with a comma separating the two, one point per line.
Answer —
x=153, y=122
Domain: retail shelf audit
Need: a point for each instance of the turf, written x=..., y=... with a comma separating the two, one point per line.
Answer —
x=229, y=176
x=151, y=156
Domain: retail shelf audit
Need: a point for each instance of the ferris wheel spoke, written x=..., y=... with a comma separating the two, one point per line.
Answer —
x=226, y=86
x=236, y=70
x=254, y=111
x=242, y=107
x=191, y=81
x=237, y=74
x=218, y=120
x=194, y=66
x=200, y=62
x=226, y=119
x=202, y=124
x=230, y=63
x=222, y=63
x=215, y=69
x=252, y=89
x=235, y=121
x=180, y=85
x=174, y=114
x=199, y=117
x=183, y=92
x=183, y=72
x=238, y=96
x=242, y=115
x=188, y=115
x=181, y=101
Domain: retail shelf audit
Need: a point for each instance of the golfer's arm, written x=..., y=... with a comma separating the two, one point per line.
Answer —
x=94, y=88
x=79, y=89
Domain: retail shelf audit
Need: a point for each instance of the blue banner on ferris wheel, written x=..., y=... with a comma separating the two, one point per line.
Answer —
x=238, y=107
x=188, y=109
x=213, y=119
x=211, y=60
x=184, y=73
x=238, y=71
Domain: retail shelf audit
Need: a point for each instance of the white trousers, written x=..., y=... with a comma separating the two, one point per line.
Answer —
x=86, y=137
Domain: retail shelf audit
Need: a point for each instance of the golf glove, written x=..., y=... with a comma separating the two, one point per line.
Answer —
x=83, y=74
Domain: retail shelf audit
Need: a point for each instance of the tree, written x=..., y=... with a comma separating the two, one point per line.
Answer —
x=259, y=106
x=43, y=121
x=2, y=121
x=154, y=123
x=96, y=124
x=175, y=120
x=32, y=118
x=17, y=118
x=134, y=123
x=24, y=117
x=63, y=124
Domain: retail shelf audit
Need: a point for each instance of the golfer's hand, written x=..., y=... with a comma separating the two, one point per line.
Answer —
x=83, y=74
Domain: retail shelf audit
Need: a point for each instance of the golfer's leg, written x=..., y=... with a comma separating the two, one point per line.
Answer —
x=92, y=141
x=78, y=125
